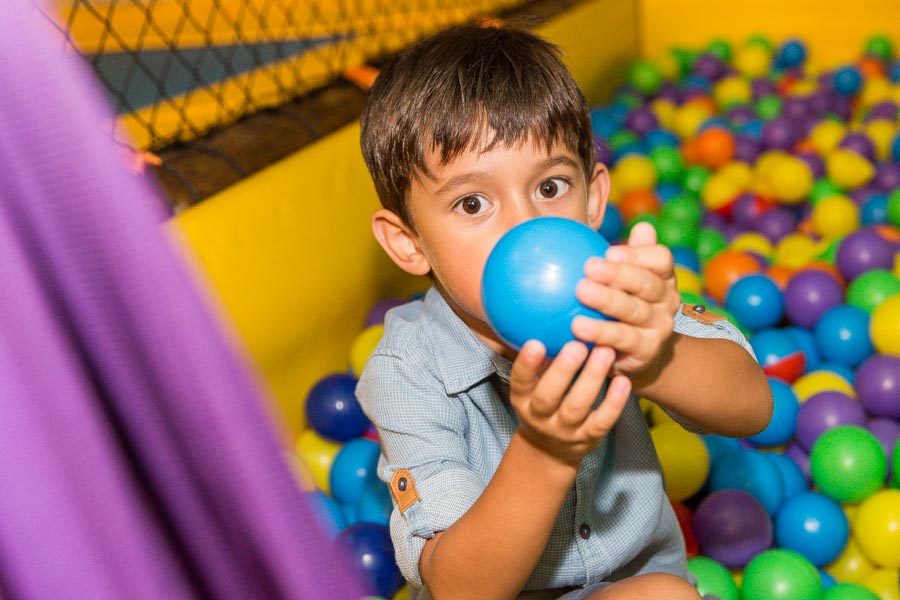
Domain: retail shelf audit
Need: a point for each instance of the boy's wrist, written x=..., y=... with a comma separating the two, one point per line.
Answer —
x=542, y=461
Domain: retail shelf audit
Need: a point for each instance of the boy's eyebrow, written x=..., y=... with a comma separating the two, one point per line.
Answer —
x=471, y=176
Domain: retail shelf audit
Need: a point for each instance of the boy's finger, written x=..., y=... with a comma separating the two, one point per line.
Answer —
x=601, y=421
x=622, y=336
x=577, y=404
x=655, y=258
x=615, y=303
x=556, y=379
x=525, y=369
x=642, y=234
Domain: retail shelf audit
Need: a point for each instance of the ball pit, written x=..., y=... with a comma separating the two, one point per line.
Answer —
x=777, y=187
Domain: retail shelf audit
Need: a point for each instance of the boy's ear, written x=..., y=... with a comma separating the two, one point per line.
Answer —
x=399, y=242
x=598, y=195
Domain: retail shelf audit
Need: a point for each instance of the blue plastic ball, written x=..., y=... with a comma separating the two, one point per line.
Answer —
x=371, y=555
x=353, y=469
x=813, y=525
x=784, y=416
x=613, y=224
x=793, y=480
x=686, y=257
x=667, y=190
x=660, y=137
x=874, y=211
x=328, y=512
x=718, y=446
x=791, y=54
x=842, y=335
x=752, y=472
x=603, y=124
x=755, y=301
x=528, y=285
x=894, y=72
x=846, y=372
x=807, y=343
x=846, y=81
x=827, y=580
x=895, y=148
x=349, y=513
x=332, y=410
x=772, y=345
x=374, y=505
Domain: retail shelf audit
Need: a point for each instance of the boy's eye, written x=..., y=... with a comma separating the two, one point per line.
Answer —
x=553, y=187
x=472, y=205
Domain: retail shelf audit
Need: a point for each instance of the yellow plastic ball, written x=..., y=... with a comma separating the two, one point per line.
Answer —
x=719, y=191
x=835, y=216
x=851, y=566
x=812, y=383
x=754, y=242
x=753, y=60
x=402, y=594
x=884, y=326
x=876, y=527
x=664, y=110
x=634, y=172
x=734, y=89
x=363, y=346
x=885, y=583
x=826, y=136
x=318, y=454
x=687, y=280
x=795, y=250
x=688, y=119
x=875, y=90
x=850, y=511
x=669, y=65
x=791, y=180
x=804, y=87
x=847, y=169
x=657, y=415
x=684, y=459
x=881, y=132
x=739, y=172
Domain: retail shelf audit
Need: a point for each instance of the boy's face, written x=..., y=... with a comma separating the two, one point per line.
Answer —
x=461, y=209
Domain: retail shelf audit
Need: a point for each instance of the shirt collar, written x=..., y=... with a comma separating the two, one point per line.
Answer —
x=463, y=359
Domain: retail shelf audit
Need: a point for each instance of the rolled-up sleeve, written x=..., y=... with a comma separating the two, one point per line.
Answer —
x=422, y=431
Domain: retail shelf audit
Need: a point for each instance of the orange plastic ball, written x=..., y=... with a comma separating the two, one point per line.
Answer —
x=871, y=67
x=724, y=269
x=638, y=202
x=780, y=274
x=716, y=146
x=690, y=151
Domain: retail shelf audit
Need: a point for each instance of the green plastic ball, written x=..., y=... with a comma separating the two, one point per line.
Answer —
x=622, y=138
x=694, y=179
x=768, y=107
x=710, y=242
x=895, y=464
x=686, y=58
x=847, y=463
x=880, y=46
x=849, y=591
x=829, y=255
x=871, y=288
x=760, y=40
x=674, y=234
x=821, y=188
x=893, y=208
x=629, y=100
x=668, y=163
x=683, y=209
x=720, y=48
x=781, y=575
x=645, y=77
x=713, y=578
x=692, y=298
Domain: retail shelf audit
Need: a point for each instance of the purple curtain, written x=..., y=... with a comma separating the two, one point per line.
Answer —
x=137, y=458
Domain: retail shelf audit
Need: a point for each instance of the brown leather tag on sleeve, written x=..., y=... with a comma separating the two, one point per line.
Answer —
x=404, y=489
x=700, y=313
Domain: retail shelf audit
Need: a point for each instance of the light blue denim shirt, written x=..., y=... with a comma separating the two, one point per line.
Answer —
x=438, y=398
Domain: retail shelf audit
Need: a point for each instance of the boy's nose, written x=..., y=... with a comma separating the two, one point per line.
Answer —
x=524, y=211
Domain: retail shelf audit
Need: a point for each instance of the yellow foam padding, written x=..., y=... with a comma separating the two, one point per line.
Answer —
x=290, y=254
x=834, y=31
x=289, y=250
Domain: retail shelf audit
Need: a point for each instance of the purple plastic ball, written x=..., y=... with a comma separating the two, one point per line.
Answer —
x=824, y=411
x=376, y=314
x=809, y=294
x=709, y=66
x=887, y=177
x=602, y=151
x=740, y=114
x=877, y=385
x=732, y=526
x=862, y=194
x=795, y=108
x=714, y=220
x=762, y=87
x=842, y=106
x=747, y=208
x=863, y=251
x=814, y=162
x=885, y=109
x=797, y=453
x=776, y=223
x=779, y=134
x=859, y=143
x=887, y=432
x=746, y=149
x=641, y=120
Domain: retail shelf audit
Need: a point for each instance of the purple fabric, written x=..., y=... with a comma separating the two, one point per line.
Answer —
x=136, y=456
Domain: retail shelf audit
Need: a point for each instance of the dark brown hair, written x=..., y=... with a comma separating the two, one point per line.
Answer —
x=446, y=92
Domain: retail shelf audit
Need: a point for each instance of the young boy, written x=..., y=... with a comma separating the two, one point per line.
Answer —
x=512, y=474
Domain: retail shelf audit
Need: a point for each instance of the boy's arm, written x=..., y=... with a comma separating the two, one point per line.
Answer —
x=713, y=383
x=492, y=549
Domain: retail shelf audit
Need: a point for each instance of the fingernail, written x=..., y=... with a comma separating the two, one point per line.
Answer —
x=614, y=255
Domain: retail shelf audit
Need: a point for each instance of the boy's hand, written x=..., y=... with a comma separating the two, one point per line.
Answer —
x=555, y=407
x=635, y=284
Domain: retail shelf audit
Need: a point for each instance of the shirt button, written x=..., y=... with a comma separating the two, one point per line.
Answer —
x=585, y=531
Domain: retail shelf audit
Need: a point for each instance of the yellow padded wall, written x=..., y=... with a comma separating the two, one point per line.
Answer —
x=834, y=30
